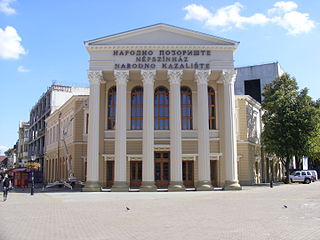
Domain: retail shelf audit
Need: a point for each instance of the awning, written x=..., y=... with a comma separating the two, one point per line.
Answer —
x=19, y=170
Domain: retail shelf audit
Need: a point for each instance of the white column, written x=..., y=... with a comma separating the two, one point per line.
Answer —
x=176, y=182
x=120, y=153
x=148, y=77
x=92, y=183
x=230, y=157
x=204, y=181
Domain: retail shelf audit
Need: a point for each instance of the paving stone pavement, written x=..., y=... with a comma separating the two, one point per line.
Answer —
x=256, y=212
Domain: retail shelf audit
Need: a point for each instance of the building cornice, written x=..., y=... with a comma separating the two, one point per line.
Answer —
x=159, y=47
x=249, y=99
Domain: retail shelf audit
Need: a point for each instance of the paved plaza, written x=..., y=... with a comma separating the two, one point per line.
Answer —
x=257, y=212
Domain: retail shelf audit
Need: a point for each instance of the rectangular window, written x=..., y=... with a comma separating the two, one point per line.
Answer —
x=253, y=88
x=87, y=122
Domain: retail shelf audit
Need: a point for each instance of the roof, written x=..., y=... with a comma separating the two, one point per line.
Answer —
x=2, y=158
x=159, y=27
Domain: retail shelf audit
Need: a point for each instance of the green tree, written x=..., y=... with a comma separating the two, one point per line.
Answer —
x=288, y=120
x=9, y=152
x=314, y=141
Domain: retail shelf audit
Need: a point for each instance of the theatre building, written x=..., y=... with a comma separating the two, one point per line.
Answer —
x=163, y=113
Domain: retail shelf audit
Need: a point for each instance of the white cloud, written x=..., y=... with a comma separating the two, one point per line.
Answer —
x=3, y=149
x=23, y=69
x=283, y=7
x=295, y=22
x=5, y=7
x=282, y=14
x=10, y=46
x=197, y=12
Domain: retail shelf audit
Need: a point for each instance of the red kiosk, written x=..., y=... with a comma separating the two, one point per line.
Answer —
x=20, y=177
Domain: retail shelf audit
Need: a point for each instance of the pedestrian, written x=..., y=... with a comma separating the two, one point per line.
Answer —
x=6, y=184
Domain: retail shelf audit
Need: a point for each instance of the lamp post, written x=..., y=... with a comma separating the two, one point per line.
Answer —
x=271, y=170
x=32, y=175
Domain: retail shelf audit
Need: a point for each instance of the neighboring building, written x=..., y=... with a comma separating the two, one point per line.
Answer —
x=22, y=144
x=252, y=79
x=51, y=100
x=69, y=123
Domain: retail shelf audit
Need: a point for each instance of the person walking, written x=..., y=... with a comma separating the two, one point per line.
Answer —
x=6, y=184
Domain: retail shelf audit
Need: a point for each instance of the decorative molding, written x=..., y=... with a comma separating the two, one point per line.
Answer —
x=161, y=47
x=175, y=76
x=189, y=157
x=134, y=157
x=121, y=76
x=95, y=77
x=108, y=157
x=202, y=76
x=148, y=76
x=215, y=156
x=229, y=76
x=158, y=147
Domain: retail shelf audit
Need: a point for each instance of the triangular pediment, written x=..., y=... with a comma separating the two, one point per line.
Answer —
x=161, y=34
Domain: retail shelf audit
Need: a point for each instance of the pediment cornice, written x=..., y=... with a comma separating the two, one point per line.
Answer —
x=159, y=47
x=160, y=35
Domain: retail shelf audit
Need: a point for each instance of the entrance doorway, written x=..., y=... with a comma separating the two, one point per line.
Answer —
x=110, y=173
x=187, y=173
x=214, y=172
x=135, y=173
x=162, y=169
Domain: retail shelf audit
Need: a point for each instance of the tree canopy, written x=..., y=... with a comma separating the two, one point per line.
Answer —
x=290, y=120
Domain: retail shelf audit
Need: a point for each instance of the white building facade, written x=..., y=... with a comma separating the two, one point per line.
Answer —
x=161, y=111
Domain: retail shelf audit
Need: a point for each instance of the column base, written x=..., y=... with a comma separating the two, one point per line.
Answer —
x=120, y=187
x=91, y=187
x=148, y=186
x=232, y=185
x=176, y=186
x=204, y=186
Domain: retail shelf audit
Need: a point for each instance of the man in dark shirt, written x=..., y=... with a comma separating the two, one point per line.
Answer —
x=6, y=183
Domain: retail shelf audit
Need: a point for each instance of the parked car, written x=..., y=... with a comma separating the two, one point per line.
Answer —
x=303, y=176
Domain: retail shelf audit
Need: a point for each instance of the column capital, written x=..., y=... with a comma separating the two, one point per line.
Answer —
x=175, y=76
x=148, y=76
x=229, y=76
x=202, y=76
x=121, y=76
x=95, y=77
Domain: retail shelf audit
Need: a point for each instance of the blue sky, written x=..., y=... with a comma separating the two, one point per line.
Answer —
x=42, y=41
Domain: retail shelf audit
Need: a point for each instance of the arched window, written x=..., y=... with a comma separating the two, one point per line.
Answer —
x=186, y=108
x=161, y=109
x=112, y=102
x=136, y=108
x=212, y=106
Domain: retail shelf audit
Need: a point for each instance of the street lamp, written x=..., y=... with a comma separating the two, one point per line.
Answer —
x=33, y=157
x=271, y=168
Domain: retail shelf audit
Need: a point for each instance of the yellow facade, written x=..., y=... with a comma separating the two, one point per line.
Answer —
x=67, y=123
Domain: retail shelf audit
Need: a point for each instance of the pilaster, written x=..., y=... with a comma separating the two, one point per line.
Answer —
x=204, y=182
x=176, y=182
x=120, y=175
x=231, y=182
x=148, y=77
x=92, y=183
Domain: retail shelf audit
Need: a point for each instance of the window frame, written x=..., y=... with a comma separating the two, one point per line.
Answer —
x=212, y=118
x=186, y=119
x=159, y=109
x=112, y=105
x=137, y=121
